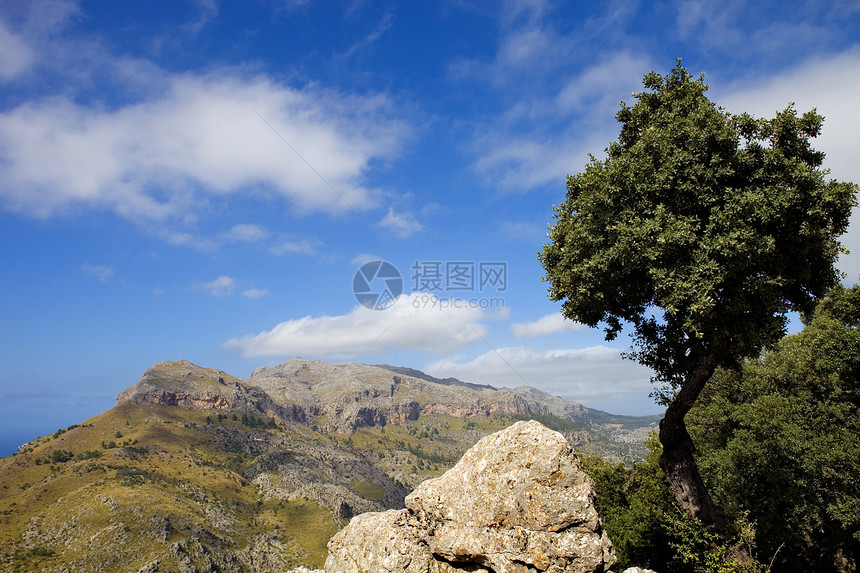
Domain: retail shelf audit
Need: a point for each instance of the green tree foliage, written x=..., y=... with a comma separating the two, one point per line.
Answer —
x=780, y=441
x=648, y=529
x=701, y=229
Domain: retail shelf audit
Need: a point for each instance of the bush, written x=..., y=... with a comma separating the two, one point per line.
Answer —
x=61, y=456
x=89, y=455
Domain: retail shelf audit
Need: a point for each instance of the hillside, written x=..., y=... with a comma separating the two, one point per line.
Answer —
x=196, y=470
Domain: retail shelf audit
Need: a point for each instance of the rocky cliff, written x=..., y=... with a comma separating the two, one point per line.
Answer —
x=341, y=397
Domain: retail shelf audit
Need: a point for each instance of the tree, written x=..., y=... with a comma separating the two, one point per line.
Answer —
x=779, y=441
x=701, y=229
x=640, y=515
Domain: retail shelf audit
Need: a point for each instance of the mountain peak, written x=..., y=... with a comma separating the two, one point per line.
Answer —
x=164, y=381
x=341, y=397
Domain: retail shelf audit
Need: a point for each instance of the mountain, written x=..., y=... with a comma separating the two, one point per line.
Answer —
x=197, y=470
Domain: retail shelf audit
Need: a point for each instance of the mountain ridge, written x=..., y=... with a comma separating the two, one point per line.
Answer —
x=347, y=395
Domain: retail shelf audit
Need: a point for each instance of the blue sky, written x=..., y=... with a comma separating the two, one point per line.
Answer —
x=201, y=179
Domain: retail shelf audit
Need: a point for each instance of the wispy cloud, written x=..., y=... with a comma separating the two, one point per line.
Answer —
x=401, y=224
x=247, y=233
x=725, y=31
x=222, y=286
x=301, y=247
x=362, y=258
x=557, y=104
x=382, y=26
x=410, y=324
x=253, y=293
x=291, y=5
x=15, y=55
x=528, y=45
x=598, y=88
x=550, y=324
x=517, y=158
x=102, y=272
x=207, y=10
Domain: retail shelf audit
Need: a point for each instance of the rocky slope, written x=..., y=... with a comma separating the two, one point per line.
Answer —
x=196, y=470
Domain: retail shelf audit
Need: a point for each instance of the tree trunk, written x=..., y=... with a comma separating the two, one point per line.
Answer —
x=677, y=460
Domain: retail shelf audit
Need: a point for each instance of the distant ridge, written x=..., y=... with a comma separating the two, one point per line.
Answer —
x=421, y=375
x=343, y=397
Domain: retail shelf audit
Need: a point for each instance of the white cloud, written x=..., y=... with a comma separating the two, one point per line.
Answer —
x=402, y=225
x=362, y=258
x=247, y=233
x=24, y=47
x=586, y=104
x=411, y=323
x=831, y=86
x=599, y=88
x=102, y=272
x=183, y=239
x=253, y=293
x=222, y=286
x=302, y=247
x=549, y=324
x=596, y=376
x=724, y=28
x=523, y=230
x=529, y=45
x=710, y=23
x=214, y=134
x=293, y=4
x=15, y=55
x=207, y=11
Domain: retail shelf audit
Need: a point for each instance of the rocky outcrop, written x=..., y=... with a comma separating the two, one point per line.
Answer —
x=181, y=383
x=517, y=502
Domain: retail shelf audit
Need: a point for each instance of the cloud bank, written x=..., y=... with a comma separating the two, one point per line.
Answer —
x=207, y=135
x=550, y=324
x=596, y=376
x=409, y=324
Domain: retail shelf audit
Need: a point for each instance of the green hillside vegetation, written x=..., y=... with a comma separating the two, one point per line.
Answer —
x=146, y=483
x=778, y=443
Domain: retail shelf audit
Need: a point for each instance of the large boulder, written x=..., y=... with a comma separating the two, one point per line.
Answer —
x=517, y=502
